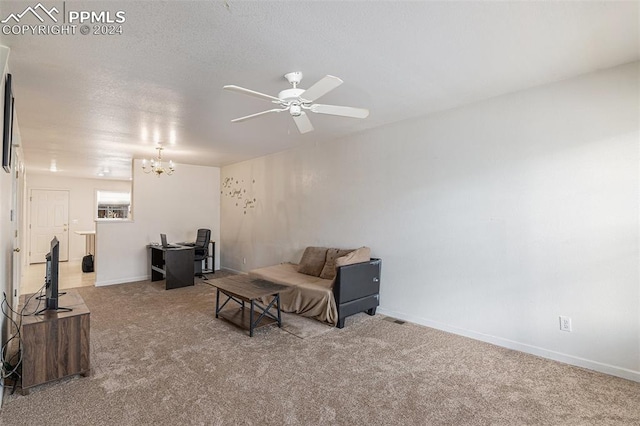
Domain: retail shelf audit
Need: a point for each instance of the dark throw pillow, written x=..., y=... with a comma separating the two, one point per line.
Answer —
x=329, y=269
x=312, y=261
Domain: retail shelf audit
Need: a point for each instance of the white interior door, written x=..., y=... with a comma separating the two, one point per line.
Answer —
x=49, y=218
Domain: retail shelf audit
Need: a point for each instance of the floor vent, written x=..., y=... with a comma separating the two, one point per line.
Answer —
x=394, y=320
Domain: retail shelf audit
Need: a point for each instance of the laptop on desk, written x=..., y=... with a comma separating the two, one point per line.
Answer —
x=163, y=239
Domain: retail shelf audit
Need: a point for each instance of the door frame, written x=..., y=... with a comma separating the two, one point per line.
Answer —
x=17, y=228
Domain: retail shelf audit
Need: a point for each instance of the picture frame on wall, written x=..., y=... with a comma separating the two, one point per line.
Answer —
x=7, y=137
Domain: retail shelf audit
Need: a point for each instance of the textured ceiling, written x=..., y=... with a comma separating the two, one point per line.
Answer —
x=92, y=101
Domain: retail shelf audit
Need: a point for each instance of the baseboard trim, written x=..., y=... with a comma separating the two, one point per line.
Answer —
x=522, y=347
x=232, y=270
x=122, y=280
x=147, y=277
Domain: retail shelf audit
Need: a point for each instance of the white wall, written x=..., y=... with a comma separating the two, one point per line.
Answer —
x=176, y=205
x=491, y=219
x=82, y=203
x=7, y=226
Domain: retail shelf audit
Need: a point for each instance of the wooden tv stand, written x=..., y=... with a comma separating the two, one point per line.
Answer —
x=56, y=343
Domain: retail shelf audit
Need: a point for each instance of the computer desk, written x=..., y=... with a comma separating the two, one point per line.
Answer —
x=175, y=265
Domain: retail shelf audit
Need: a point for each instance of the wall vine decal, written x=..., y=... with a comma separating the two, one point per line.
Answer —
x=234, y=188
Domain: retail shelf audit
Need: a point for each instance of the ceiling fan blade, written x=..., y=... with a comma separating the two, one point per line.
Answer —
x=340, y=110
x=246, y=117
x=249, y=92
x=303, y=122
x=321, y=88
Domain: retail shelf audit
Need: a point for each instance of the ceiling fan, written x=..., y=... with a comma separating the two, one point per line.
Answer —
x=297, y=101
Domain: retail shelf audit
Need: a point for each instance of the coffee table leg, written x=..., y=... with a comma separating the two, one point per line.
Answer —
x=251, y=320
x=278, y=308
x=217, y=302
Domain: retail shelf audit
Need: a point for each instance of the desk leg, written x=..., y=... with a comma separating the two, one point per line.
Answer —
x=213, y=258
x=217, y=301
x=90, y=244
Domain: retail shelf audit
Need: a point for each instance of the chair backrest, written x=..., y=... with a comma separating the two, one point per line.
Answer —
x=203, y=238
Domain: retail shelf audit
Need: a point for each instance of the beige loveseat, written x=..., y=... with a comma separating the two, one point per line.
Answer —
x=328, y=284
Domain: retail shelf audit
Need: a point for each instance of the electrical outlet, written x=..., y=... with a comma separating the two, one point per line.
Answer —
x=565, y=323
x=244, y=260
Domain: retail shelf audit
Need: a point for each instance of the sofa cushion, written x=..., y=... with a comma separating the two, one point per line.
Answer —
x=363, y=254
x=329, y=269
x=285, y=274
x=312, y=261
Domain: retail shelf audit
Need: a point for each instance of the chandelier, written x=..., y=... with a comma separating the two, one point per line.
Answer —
x=156, y=165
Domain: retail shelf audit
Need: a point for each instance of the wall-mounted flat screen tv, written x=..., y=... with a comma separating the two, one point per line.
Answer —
x=7, y=134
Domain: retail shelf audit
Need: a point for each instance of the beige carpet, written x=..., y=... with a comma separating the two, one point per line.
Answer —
x=160, y=357
x=304, y=328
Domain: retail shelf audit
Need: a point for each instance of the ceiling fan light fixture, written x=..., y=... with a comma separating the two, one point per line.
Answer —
x=295, y=110
x=295, y=100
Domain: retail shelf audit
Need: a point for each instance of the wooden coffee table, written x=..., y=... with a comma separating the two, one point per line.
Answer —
x=242, y=289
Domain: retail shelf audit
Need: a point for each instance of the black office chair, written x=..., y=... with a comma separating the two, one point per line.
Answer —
x=201, y=248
